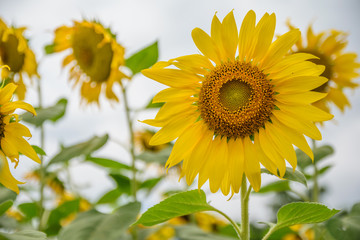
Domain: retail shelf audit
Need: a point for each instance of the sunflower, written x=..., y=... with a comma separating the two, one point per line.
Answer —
x=232, y=113
x=340, y=67
x=95, y=59
x=15, y=52
x=12, y=135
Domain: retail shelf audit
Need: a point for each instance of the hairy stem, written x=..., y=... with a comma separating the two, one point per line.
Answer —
x=245, y=196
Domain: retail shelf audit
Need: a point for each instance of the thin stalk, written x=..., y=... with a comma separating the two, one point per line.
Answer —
x=245, y=195
x=234, y=224
x=132, y=151
x=132, y=154
x=271, y=230
x=315, y=195
x=42, y=169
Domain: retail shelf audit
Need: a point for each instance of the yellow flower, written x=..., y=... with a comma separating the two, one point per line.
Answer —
x=164, y=233
x=232, y=113
x=95, y=58
x=208, y=223
x=12, y=135
x=340, y=67
x=142, y=139
x=15, y=52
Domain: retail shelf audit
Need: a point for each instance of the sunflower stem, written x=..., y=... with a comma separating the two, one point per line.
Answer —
x=315, y=195
x=132, y=151
x=245, y=196
x=42, y=169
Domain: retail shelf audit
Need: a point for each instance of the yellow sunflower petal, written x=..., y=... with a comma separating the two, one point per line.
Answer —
x=6, y=178
x=229, y=35
x=206, y=45
x=10, y=107
x=252, y=166
x=246, y=34
x=173, y=94
x=6, y=93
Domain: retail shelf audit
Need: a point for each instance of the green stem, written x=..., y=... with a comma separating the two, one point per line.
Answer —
x=271, y=230
x=315, y=195
x=132, y=151
x=234, y=224
x=245, y=196
x=42, y=169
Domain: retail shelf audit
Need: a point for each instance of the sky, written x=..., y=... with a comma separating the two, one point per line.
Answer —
x=139, y=23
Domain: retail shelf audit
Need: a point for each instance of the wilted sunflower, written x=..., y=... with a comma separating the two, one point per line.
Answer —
x=230, y=114
x=12, y=135
x=15, y=52
x=340, y=67
x=95, y=58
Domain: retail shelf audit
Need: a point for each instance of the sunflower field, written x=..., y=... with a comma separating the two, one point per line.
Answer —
x=179, y=120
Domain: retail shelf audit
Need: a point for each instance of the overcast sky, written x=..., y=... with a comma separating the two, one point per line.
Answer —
x=138, y=23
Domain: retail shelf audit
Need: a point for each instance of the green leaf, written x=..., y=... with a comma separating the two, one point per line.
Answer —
x=302, y=213
x=93, y=225
x=30, y=210
x=278, y=186
x=4, y=206
x=177, y=205
x=319, y=153
x=122, y=182
x=52, y=113
x=150, y=183
x=345, y=227
x=154, y=105
x=84, y=148
x=110, y=197
x=194, y=233
x=24, y=235
x=143, y=59
x=324, y=169
x=158, y=157
x=38, y=150
x=50, y=48
x=291, y=175
x=6, y=194
x=59, y=213
x=108, y=163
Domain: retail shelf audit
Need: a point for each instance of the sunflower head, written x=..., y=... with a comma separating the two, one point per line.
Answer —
x=243, y=102
x=15, y=52
x=12, y=135
x=94, y=60
x=341, y=68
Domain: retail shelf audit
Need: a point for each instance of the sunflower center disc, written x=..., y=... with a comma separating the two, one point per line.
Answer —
x=236, y=99
x=234, y=95
x=92, y=54
x=2, y=127
x=10, y=55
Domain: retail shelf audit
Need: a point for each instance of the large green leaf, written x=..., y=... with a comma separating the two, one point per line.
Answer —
x=93, y=225
x=52, y=113
x=291, y=175
x=177, y=205
x=302, y=213
x=24, y=235
x=143, y=59
x=4, y=206
x=80, y=149
x=278, y=186
x=108, y=163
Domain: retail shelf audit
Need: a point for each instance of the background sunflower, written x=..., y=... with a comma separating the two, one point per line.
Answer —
x=15, y=52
